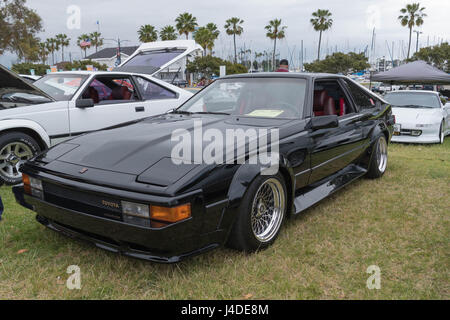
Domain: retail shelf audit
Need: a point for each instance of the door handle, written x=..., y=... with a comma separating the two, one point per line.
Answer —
x=139, y=109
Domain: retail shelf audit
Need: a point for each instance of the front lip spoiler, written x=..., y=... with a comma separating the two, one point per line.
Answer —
x=116, y=246
x=124, y=250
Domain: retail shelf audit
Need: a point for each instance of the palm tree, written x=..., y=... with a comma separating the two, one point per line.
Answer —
x=96, y=39
x=204, y=37
x=43, y=52
x=412, y=16
x=233, y=27
x=168, y=33
x=52, y=45
x=186, y=23
x=275, y=31
x=147, y=33
x=80, y=39
x=63, y=41
x=321, y=21
x=212, y=27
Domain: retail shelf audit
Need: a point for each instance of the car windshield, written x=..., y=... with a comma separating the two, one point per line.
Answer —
x=150, y=61
x=253, y=97
x=413, y=99
x=61, y=87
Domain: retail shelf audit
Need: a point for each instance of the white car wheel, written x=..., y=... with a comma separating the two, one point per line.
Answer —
x=441, y=133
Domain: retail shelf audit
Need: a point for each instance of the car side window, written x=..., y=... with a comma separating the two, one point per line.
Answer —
x=361, y=98
x=330, y=99
x=109, y=90
x=152, y=91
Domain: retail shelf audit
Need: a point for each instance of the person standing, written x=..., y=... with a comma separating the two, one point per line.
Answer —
x=284, y=66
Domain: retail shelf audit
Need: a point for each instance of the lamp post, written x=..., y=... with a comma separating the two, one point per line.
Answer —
x=118, y=41
x=417, y=41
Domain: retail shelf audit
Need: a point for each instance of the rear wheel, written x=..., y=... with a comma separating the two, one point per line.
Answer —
x=15, y=148
x=260, y=214
x=378, y=162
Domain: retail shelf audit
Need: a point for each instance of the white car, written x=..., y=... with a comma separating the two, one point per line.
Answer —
x=420, y=116
x=61, y=105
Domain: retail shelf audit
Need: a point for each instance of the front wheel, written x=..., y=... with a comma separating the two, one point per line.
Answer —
x=15, y=148
x=260, y=214
x=378, y=162
x=441, y=133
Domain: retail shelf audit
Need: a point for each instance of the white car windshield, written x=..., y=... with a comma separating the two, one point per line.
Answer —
x=413, y=99
x=253, y=97
x=61, y=87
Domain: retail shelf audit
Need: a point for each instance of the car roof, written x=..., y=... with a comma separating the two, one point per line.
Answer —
x=84, y=72
x=283, y=75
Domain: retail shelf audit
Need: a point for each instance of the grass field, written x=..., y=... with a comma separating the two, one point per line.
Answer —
x=399, y=223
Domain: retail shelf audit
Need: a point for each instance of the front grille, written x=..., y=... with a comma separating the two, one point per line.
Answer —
x=83, y=202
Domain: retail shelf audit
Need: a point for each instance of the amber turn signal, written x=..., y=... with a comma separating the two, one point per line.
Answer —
x=26, y=183
x=170, y=214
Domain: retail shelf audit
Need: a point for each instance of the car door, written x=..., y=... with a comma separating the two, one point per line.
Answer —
x=115, y=99
x=157, y=97
x=332, y=149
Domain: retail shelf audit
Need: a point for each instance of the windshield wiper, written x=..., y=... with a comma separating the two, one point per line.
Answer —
x=181, y=112
x=211, y=112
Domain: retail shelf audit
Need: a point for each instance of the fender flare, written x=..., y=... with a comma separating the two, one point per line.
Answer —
x=18, y=124
x=242, y=179
x=379, y=128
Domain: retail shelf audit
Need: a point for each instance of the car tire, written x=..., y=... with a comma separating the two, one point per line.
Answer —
x=15, y=148
x=259, y=218
x=441, y=133
x=379, y=159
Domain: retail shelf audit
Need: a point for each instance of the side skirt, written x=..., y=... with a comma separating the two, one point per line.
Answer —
x=322, y=189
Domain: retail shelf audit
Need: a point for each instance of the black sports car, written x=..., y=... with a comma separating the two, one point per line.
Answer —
x=135, y=189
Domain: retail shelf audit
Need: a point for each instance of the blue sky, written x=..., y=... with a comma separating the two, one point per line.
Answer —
x=351, y=28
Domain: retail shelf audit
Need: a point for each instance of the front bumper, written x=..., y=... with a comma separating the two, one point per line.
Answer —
x=169, y=244
x=428, y=135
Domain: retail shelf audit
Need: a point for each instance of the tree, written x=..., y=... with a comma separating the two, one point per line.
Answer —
x=438, y=56
x=204, y=37
x=24, y=68
x=19, y=27
x=186, y=23
x=82, y=65
x=412, y=15
x=96, y=39
x=209, y=65
x=147, y=33
x=43, y=52
x=321, y=21
x=212, y=27
x=83, y=38
x=232, y=28
x=339, y=62
x=63, y=41
x=168, y=33
x=275, y=31
x=52, y=46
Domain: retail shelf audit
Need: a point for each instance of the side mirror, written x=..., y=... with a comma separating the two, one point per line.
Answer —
x=324, y=122
x=84, y=103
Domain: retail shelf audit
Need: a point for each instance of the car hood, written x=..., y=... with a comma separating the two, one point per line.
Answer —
x=414, y=115
x=16, y=91
x=134, y=148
